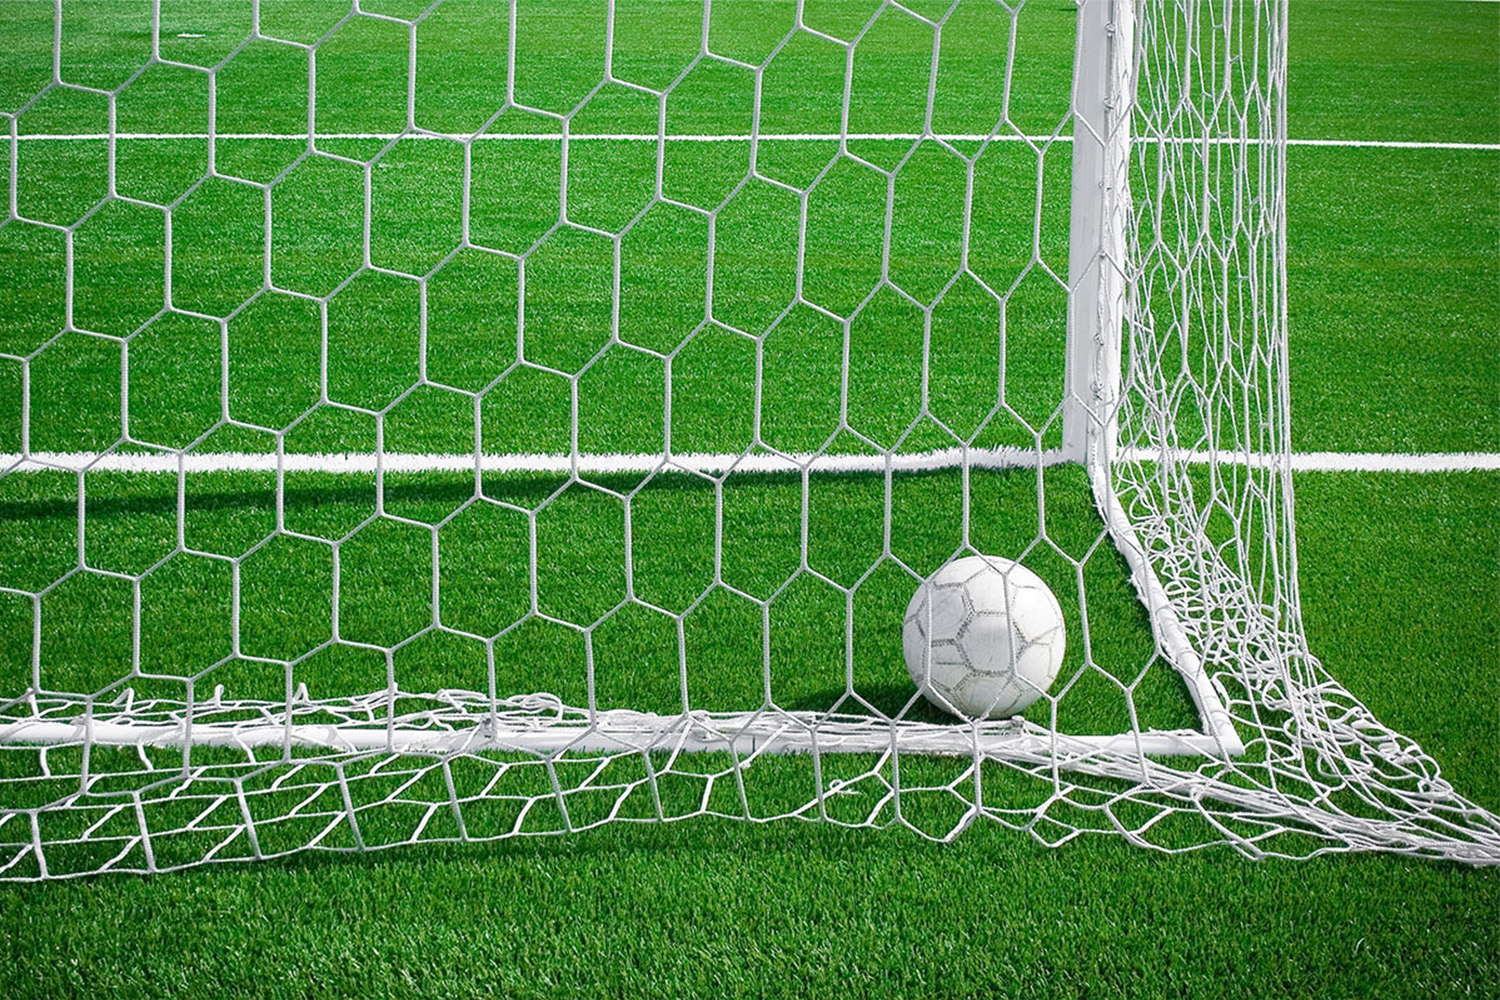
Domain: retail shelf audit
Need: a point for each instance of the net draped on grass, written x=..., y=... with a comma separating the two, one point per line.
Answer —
x=454, y=421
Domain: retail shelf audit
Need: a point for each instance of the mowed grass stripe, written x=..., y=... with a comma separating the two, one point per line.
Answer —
x=1404, y=256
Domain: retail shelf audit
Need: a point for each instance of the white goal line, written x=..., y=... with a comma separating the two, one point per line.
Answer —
x=711, y=462
x=731, y=137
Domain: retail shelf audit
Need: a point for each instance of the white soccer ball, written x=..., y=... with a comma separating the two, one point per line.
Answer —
x=983, y=637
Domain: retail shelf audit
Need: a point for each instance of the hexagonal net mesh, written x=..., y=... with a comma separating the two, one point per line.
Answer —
x=445, y=421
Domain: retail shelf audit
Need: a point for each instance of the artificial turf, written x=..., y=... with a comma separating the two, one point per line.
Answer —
x=1392, y=255
x=765, y=603
x=721, y=908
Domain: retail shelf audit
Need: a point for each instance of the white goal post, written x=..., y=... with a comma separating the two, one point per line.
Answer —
x=1170, y=402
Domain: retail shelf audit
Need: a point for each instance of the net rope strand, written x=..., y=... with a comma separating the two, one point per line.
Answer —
x=120, y=777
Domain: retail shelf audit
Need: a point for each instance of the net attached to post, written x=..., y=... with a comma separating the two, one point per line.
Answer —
x=491, y=420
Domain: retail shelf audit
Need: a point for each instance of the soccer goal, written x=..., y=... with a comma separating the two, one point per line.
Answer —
x=447, y=421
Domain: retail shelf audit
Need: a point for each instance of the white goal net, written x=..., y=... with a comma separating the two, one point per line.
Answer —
x=447, y=421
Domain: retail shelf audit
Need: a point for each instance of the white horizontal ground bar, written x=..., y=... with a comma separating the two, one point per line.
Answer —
x=947, y=458
x=731, y=137
x=622, y=731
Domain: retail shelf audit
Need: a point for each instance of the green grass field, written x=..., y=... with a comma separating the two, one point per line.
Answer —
x=1394, y=298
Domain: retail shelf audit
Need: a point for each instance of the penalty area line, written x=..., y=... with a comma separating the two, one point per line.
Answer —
x=709, y=462
x=1037, y=140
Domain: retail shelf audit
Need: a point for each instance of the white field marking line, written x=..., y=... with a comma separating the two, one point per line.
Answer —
x=708, y=462
x=764, y=137
x=365, y=462
x=1336, y=461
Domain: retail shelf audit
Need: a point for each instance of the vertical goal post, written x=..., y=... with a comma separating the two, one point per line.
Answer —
x=1104, y=104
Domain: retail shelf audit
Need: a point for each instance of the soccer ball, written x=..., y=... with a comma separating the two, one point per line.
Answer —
x=983, y=637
